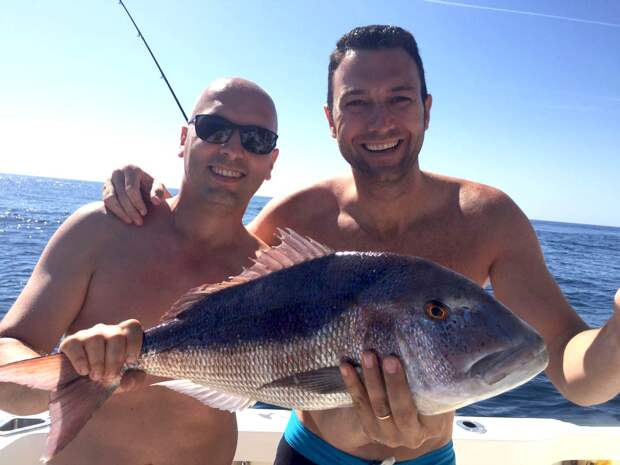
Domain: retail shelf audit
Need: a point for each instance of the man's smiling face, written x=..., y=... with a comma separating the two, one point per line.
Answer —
x=228, y=172
x=378, y=115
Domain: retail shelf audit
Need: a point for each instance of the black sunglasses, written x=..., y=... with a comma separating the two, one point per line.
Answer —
x=217, y=130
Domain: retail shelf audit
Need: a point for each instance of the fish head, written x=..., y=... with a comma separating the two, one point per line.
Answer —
x=458, y=344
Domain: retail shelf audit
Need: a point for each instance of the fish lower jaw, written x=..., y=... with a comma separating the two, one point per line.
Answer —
x=429, y=405
x=477, y=388
x=514, y=364
x=503, y=381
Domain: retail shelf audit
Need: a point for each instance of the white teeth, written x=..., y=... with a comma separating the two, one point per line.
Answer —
x=227, y=173
x=380, y=147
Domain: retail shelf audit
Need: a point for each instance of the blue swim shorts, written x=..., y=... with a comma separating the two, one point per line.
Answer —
x=300, y=446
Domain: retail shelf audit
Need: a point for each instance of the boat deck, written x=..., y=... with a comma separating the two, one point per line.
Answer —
x=477, y=441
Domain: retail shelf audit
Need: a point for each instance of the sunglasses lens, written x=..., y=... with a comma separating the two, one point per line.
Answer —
x=258, y=140
x=217, y=130
x=213, y=130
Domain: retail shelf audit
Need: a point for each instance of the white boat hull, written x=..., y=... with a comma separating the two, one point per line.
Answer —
x=477, y=441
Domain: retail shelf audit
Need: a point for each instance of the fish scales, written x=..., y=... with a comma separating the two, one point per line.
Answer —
x=245, y=368
x=282, y=305
x=258, y=334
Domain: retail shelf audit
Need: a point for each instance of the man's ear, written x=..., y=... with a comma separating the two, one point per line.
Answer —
x=330, y=120
x=182, y=141
x=428, y=103
x=274, y=157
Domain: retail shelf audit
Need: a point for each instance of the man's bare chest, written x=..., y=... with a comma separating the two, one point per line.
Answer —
x=462, y=249
x=145, y=284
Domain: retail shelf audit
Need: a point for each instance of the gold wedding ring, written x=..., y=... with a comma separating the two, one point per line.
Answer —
x=384, y=417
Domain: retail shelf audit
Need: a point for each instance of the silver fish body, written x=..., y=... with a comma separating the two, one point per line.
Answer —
x=279, y=338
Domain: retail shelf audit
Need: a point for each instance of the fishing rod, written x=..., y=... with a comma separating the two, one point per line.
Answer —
x=163, y=76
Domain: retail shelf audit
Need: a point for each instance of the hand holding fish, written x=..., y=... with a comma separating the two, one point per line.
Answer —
x=101, y=352
x=385, y=406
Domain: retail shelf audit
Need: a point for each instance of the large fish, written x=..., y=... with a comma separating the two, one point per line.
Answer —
x=278, y=332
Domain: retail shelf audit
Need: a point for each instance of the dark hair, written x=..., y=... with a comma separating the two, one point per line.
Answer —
x=374, y=37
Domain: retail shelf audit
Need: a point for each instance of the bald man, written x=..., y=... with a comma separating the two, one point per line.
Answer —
x=96, y=272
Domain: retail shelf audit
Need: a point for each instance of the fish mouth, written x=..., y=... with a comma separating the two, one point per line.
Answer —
x=520, y=361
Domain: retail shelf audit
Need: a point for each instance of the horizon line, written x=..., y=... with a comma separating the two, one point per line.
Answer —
x=275, y=196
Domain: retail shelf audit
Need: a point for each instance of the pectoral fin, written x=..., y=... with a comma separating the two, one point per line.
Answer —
x=326, y=380
x=208, y=396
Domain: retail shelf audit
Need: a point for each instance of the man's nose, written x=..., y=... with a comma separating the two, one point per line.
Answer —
x=381, y=118
x=232, y=147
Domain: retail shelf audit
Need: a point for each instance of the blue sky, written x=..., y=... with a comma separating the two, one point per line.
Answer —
x=526, y=93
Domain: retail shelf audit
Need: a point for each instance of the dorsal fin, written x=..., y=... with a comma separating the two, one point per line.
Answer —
x=292, y=250
x=196, y=294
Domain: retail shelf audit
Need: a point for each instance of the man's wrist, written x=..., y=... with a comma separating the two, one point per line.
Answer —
x=614, y=326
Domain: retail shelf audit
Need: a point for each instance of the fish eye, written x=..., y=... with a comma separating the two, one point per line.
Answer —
x=435, y=310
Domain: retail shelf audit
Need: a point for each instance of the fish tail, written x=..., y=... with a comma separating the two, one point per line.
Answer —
x=47, y=373
x=71, y=407
x=73, y=398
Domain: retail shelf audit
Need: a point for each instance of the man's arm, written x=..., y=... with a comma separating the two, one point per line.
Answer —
x=48, y=304
x=583, y=362
x=14, y=398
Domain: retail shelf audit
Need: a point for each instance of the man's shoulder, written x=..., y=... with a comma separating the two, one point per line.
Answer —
x=489, y=211
x=299, y=210
x=325, y=190
x=312, y=199
x=481, y=207
x=93, y=217
x=91, y=225
x=487, y=214
x=475, y=198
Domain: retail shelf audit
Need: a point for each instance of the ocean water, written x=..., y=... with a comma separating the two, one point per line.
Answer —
x=584, y=259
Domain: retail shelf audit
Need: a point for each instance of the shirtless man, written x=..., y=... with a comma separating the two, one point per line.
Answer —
x=98, y=271
x=378, y=110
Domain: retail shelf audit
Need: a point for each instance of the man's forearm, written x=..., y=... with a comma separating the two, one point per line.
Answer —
x=591, y=365
x=16, y=399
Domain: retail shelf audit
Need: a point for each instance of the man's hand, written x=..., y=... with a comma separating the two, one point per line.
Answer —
x=101, y=351
x=125, y=192
x=385, y=406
